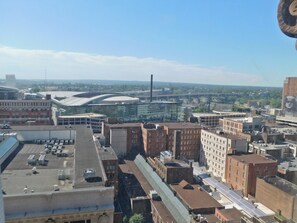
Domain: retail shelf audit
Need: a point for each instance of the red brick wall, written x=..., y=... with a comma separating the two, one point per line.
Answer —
x=274, y=198
x=242, y=176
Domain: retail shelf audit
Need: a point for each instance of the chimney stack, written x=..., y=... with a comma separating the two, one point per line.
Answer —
x=151, y=95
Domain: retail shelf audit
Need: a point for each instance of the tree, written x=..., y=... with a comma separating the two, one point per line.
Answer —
x=126, y=219
x=136, y=218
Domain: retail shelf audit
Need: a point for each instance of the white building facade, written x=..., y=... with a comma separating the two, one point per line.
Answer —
x=214, y=150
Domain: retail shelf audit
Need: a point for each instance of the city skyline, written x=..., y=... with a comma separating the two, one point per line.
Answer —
x=227, y=43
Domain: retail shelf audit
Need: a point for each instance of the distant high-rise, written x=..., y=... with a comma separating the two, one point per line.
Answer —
x=289, y=97
x=10, y=80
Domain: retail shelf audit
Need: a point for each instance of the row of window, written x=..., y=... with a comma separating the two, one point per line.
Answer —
x=23, y=116
x=79, y=221
x=24, y=104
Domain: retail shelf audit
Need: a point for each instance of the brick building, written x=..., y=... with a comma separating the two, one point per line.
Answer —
x=228, y=215
x=172, y=171
x=110, y=163
x=124, y=138
x=242, y=171
x=183, y=139
x=195, y=199
x=278, y=195
x=215, y=146
x=242, y=125
x=154, y=139
x=134, y=186
x=26, y=112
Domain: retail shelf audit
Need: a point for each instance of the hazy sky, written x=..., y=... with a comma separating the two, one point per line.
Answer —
x=235, y=42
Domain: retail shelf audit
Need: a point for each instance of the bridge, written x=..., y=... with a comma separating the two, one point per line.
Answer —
x=210, y=96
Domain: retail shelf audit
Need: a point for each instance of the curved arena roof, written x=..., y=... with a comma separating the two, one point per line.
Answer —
x=72, y=98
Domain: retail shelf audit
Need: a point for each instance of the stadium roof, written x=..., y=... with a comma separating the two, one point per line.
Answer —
x=6, y=88
x=72, y=98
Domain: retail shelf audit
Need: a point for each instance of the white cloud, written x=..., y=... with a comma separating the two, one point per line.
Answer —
x=31, y=64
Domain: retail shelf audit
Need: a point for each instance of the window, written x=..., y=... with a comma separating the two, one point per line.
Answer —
x=79, y=221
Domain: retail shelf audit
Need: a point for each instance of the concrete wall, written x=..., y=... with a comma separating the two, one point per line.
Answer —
x=28, y=135
x=240, y=145
x=59, y=203
x=118, y=141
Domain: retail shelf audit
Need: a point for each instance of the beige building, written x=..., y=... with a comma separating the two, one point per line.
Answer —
x=213, y=119
x=91, y=119
x=242, y=125
x=215, y=146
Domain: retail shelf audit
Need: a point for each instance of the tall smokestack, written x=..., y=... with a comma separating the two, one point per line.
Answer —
x=151, y=95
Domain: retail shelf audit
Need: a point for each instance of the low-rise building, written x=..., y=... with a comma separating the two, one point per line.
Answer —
x=288, y=170
x=242, y=171
x=279, y=195
x=135, y=189
x=278, y=151
x=171, y=170
x=229, y=215
x=196, y=200
x=213, y=119
x=110, y=164
x=242, y=125
x=124, y=138
x=26, y=112
x=91, y=119
x=178, y=209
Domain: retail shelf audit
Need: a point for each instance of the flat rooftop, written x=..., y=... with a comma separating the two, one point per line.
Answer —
x=174, y=163
x=19, y=175
x=269, y=146
x=85, y=115
x=87, y=156
x=282, y=184
x=123, y=125
x=107, y=153
x=181, y=125
x=222, y=114
x=194, y=197
x=231, y=214
x=252, y=158
x=245, y=119
x=225, y=135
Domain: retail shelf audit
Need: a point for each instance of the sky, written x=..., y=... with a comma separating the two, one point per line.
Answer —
x=193, y=41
